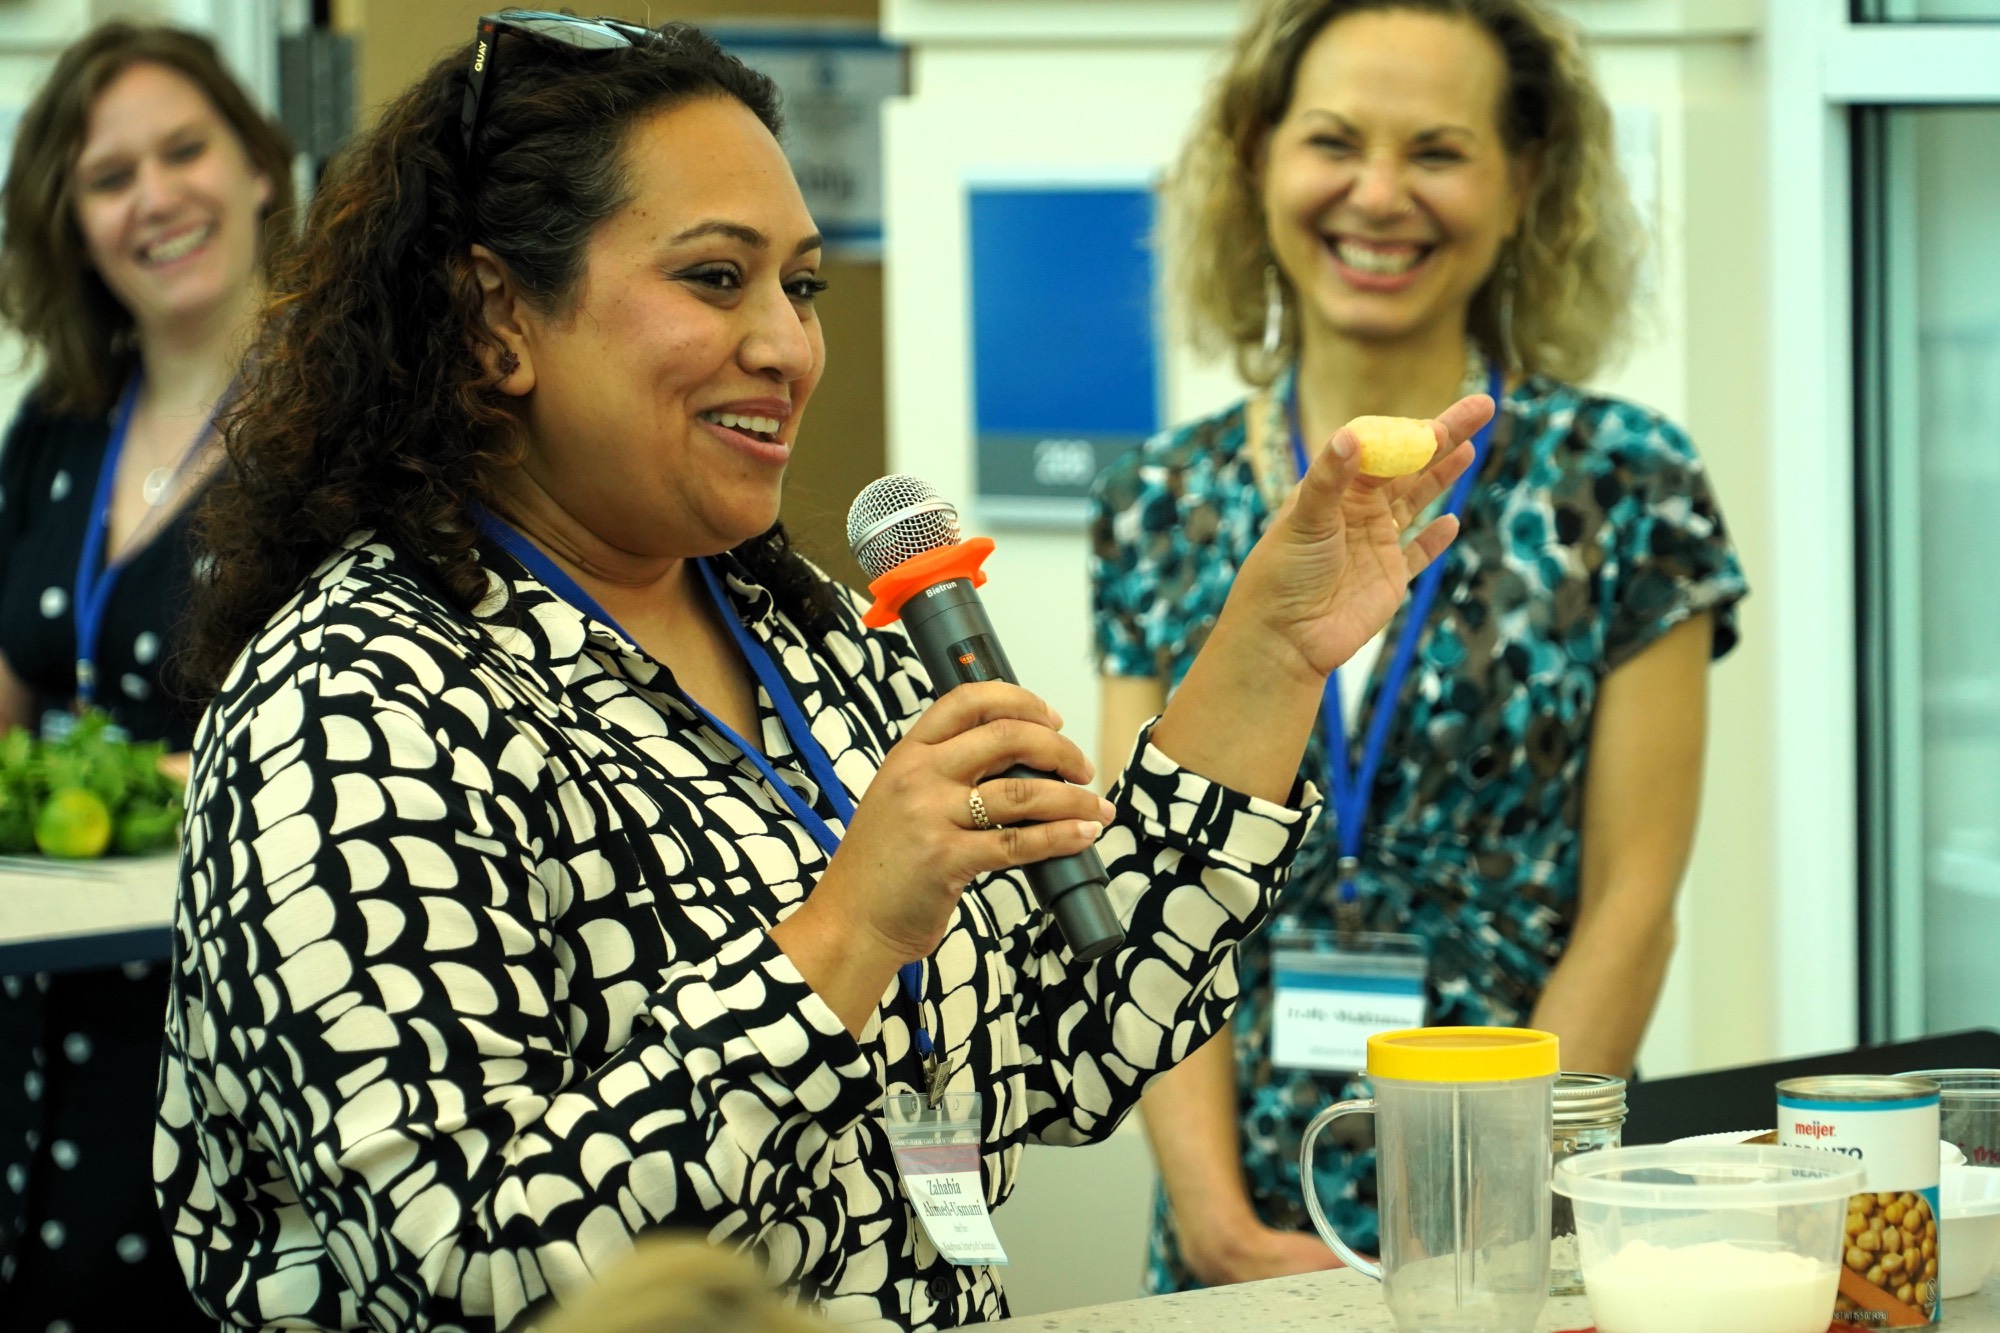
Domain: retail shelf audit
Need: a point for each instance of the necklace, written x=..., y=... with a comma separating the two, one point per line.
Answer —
x=161, y=483
x=157, y=483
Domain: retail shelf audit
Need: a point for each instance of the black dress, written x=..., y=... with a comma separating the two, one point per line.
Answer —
x=82, y=1246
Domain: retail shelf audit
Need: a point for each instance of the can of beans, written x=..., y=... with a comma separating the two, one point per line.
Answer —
x=1889, y=1268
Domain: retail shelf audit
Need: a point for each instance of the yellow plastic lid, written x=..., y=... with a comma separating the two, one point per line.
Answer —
x=1462, y=1055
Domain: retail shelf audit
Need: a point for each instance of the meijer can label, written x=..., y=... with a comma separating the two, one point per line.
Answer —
x=1889, y=1259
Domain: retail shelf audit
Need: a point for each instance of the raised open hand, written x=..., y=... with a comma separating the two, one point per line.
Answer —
x=1333, y=566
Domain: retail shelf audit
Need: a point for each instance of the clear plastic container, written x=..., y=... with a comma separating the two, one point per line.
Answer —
x=1462, y=1168
x=1968, y=1111
x=1725, y=1238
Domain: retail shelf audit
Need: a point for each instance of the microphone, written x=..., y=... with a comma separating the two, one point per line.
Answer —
x=906, y=537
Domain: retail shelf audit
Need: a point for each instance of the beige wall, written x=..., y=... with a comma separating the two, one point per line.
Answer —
x=1725, y=993
x=842, y=443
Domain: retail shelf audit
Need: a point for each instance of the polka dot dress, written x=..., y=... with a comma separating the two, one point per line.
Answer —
x=48, y=476
x=81, y=1244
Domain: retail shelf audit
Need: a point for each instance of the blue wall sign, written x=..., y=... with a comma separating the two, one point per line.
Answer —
x=1065, y=339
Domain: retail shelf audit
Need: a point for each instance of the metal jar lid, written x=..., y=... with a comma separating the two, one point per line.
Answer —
x=1589, y=1099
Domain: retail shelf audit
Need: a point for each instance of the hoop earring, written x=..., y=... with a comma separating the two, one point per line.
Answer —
x=1274, y=311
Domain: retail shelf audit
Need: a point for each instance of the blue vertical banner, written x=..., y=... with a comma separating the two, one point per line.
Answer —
x=1065, y=339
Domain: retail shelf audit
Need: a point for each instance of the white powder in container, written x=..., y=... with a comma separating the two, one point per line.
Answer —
x=1716, y=1287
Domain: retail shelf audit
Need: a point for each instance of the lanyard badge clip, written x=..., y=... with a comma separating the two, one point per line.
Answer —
x=937, y=1076
x=1347, y=909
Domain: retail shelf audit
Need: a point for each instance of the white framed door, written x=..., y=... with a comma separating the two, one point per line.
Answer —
x=1863, y=619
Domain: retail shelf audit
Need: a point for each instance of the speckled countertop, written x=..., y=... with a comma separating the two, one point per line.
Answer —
x=1346, y=1302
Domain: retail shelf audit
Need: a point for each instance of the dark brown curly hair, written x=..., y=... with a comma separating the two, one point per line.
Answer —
x=368, y=405
x=48, y=287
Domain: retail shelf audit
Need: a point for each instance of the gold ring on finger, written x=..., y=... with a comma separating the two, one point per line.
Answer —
x=977, y=804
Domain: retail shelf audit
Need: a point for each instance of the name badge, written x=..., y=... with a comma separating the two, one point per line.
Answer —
x=937, y=1156
x=1332, y=992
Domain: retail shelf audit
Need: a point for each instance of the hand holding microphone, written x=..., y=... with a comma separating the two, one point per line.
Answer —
x=1327, y=575
x=907, y=539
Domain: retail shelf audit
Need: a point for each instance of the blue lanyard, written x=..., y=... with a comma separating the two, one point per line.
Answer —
x=1350, y=787
x=95, y=578
x=811, y=752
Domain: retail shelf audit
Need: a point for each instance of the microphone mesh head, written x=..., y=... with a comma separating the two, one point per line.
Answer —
x=895, y=518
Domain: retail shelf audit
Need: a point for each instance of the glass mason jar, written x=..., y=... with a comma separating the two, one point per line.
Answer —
x=1589, y=1114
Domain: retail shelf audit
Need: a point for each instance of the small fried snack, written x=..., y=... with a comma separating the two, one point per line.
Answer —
x=1393, y=446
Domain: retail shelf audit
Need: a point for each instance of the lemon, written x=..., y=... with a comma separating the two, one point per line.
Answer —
x=73, y=823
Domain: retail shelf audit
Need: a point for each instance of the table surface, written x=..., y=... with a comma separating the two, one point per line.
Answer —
x=56, y=916
x=60, y=915
x=1345, y=1301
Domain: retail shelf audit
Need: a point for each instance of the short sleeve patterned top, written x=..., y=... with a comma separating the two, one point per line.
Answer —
x=1590, y=532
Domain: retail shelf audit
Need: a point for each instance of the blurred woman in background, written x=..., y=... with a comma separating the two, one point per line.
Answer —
x=145, y=196
x=1387, y=204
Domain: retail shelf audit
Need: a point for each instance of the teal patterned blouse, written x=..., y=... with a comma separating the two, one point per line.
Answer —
x=1590, y=533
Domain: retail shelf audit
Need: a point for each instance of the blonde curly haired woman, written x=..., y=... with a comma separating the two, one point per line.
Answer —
x=1383, y=206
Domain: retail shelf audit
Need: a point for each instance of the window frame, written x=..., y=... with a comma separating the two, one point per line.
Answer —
x=1821, y=67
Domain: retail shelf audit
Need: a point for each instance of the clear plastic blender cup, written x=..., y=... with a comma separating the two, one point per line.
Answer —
x=1462, y=1135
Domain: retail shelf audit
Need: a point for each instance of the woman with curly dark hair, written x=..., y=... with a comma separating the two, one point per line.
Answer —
x=565, y=857
x=143, y=201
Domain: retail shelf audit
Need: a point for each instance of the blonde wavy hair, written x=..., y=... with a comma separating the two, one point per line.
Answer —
x=1559, y=299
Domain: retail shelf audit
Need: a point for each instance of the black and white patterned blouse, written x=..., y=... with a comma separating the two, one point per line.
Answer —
x=473, y=979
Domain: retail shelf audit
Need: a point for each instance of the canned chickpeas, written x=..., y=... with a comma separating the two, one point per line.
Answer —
x=1889, y=1262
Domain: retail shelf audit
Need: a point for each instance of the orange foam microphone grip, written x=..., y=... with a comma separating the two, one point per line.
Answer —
x=962, y=560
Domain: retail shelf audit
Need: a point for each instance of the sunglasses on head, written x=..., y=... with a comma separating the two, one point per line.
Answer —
x=568, y=30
